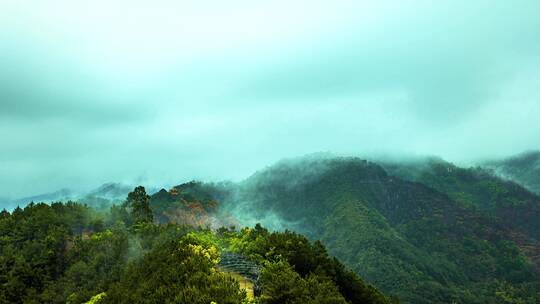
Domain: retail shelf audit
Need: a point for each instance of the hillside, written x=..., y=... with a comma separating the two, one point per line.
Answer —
x=71, y=253
x=523, y=168
x=425, y=231
x=479, y=189
x=406, y=237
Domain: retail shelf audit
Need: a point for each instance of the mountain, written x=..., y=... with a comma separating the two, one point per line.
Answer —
x=522, y=168
x=479, y=189
x=105, y=195
x=111, y=191
x=412, y=235
x=59, y=195
x=422, y=231
x=101, y=197
x=193, y=203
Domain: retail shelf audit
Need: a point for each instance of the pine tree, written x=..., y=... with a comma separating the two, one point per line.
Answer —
x=138, y=204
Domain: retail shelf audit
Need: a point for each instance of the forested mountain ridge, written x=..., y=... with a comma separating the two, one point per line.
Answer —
x=406, y=237
x=479, y=189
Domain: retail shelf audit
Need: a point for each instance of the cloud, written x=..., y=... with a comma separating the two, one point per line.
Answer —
x=99, y=92
x=449, y=62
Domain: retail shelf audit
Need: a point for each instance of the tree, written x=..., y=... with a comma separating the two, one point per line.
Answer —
x=138, y=204
x=175, y=271
x=282, y=285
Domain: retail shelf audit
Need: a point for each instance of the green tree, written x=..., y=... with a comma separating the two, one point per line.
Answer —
x=282, y=285
x=138, y=204
x=182, y=271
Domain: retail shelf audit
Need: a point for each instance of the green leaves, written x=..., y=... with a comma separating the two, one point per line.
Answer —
x=58, y=254
x=138, y=203
x=281, y=284
x=178, y=271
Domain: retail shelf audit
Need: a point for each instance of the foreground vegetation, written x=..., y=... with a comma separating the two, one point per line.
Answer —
x=70, y=253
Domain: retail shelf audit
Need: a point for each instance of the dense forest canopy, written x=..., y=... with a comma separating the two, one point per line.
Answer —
x=71, y=253
x=427, y=231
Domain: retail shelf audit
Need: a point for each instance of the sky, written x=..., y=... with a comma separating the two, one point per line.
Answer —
x=160, y=92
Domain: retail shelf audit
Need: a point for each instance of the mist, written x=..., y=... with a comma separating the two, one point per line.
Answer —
x=159, y=93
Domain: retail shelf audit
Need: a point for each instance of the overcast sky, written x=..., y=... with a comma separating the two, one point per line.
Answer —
x=165, y=91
